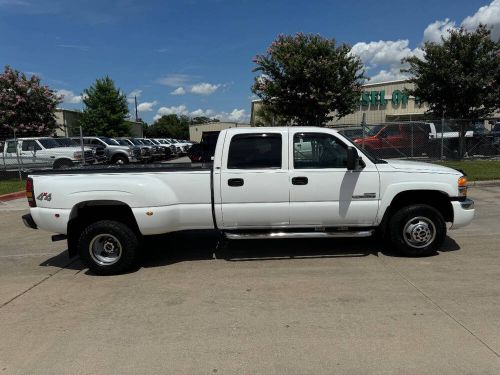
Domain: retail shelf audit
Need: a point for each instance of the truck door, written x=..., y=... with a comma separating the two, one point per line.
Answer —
x=254, y=180
x=30, y=154
x=11, y=157
x=323, y=193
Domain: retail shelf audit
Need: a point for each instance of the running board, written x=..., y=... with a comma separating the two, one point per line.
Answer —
x=268, y=235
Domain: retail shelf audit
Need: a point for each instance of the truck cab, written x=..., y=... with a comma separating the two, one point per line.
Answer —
x=36, y=152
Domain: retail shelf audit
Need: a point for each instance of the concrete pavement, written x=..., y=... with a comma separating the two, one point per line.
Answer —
x=268, y=307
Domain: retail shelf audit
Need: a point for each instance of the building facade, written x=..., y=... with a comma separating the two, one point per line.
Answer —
x=196, y=130
x=67, y=124
x=386, y=102
x=379, y=102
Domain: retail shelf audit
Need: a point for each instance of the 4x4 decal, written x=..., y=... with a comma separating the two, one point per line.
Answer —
x=44, y=197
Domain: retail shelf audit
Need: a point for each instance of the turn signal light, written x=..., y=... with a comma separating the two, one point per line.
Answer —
x=462, y=186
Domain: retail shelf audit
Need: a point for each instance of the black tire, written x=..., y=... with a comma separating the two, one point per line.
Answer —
x=63, y=164
x=120, y=159
x=416, y=230
x=105, y=261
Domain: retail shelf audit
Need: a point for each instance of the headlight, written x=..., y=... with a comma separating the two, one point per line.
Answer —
x=462, y=186
x=77, y=155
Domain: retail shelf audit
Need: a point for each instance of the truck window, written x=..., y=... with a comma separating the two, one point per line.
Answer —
x=318, y=150
x=11, y=147
x=30, y=145
x=255, y=151
x=390, y=131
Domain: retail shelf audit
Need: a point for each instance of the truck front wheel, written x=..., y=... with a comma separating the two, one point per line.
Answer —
x=108, y=247
x=417, y=230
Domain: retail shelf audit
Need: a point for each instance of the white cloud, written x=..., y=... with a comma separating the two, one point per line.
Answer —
x=146, y=106
x=438, y=29
x=164, y=111
x=133, y=94
x=204, y=88
x=236, y=115
x=384, y=57
x=178, y=91
x=174, y=80
x=391, y=74
x=382, y=52
x=486, y=15
x=201, y=113
x=69, y=96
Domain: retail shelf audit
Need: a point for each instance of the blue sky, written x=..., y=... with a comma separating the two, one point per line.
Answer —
x=202, y=50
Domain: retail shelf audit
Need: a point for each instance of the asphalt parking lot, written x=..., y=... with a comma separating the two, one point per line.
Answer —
x=269, y=307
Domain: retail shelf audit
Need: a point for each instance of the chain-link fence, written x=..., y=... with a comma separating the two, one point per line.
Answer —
x=441, y=139
x=19, y=156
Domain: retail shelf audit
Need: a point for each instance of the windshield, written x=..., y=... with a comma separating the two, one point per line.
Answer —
x=147, y=142
x=373, y=158
x=374, y=130
x=49, y=143
x=66, y=142
x=109, y=141
x=133, y=141
x=123, y=142
x=155, y=141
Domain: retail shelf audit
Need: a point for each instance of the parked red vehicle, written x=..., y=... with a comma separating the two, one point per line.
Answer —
x=395, y=139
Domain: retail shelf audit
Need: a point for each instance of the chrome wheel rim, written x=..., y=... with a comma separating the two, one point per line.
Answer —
x=419, y=232
x=105, y=249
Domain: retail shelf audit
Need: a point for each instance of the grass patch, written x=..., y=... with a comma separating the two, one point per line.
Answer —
x=11, y=186
x=476, y=170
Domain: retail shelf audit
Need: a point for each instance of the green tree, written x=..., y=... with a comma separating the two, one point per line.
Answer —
x=460, y=77
x=105, y=110
x=203, y=120
x=26, y=106
x=308, y=80
x=266, y=116
x=169, y=126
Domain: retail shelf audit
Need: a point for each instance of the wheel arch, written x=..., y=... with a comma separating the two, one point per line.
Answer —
x=84, y=213
x=434, y=198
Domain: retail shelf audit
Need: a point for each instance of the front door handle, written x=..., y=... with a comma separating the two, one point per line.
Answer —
x=299, y=181
x=235, y=182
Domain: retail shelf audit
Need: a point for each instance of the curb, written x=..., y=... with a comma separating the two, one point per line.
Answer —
x=12, y=196
x=484, y=183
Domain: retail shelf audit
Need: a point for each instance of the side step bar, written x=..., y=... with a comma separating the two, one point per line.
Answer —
x=268, y=235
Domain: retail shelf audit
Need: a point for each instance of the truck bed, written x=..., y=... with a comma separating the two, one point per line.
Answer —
x=127, y=168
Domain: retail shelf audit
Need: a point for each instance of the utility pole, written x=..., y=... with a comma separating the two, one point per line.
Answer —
x=136, y=117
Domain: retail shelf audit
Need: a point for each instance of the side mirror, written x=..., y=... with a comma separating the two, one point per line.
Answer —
x=353, y=159
x=32, y=148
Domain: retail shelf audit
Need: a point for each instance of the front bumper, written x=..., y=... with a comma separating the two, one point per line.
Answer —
x=29, y=222
x=463, y=213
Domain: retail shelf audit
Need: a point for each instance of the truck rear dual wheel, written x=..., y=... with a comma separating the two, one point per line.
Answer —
x=416, y=230
x=108, y=247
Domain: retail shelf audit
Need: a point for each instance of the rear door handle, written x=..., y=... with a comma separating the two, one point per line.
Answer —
x=299, y=181
x=235, y=182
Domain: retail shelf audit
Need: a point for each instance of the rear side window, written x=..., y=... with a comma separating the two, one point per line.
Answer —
x=30, y=145
x=255, y=151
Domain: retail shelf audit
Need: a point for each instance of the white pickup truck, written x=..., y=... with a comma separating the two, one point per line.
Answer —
x=261, y=185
